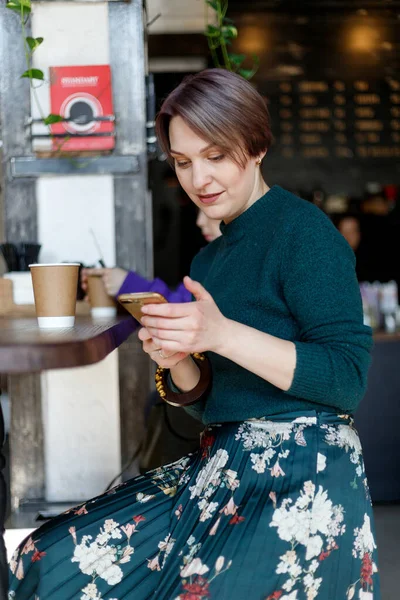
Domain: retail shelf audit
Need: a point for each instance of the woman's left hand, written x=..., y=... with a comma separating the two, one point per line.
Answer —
x=188, y=327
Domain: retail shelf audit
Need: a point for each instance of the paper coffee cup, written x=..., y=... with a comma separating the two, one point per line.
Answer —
x=102, y=306
x=54, y=289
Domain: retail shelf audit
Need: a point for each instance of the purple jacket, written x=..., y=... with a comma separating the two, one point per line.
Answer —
x=135, y=283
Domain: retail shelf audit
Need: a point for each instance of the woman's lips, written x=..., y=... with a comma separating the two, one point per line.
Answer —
x=209, y=198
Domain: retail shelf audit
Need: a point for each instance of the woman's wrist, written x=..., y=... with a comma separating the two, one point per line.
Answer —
x=186, y=374
x=226, y=338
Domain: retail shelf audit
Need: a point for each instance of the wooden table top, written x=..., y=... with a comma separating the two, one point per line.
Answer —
x=382, y=336
x=24, y=348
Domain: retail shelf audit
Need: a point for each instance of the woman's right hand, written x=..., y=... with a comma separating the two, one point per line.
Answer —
x=165, y=361
x=112, y=278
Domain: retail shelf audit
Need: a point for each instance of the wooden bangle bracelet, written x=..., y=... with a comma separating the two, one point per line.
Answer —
x=185, y=398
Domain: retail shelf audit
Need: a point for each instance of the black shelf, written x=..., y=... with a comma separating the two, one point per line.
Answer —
x=30, y=166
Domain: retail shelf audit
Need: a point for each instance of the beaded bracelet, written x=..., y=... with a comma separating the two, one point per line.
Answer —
x=185, y=398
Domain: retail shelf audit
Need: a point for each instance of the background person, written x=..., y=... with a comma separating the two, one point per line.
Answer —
x=119, y=281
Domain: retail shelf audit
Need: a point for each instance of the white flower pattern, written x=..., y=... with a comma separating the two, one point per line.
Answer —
x=308, y=520
x=268, y=438
x=311, y=521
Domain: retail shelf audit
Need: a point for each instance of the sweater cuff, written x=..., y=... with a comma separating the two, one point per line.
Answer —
x=195, y=410
x=309, y=374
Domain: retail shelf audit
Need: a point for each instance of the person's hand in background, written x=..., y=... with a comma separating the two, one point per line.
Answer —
x=113, y=278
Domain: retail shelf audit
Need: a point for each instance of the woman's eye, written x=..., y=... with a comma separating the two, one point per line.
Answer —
x=182, y=165
x=186, y=163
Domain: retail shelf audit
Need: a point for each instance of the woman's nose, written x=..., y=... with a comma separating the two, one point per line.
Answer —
x=200, y=177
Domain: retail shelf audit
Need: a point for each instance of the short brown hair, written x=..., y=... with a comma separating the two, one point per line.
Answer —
x=220, y=107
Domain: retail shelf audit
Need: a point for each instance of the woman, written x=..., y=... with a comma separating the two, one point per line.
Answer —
x=275, y=504
x=119, y=281
x=349, y=227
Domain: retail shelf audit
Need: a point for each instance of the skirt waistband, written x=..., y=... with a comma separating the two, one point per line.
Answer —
x=310, y=417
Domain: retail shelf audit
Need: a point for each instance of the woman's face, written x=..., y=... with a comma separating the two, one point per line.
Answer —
x=349, y=227
x=209, y=227
x=215, y=183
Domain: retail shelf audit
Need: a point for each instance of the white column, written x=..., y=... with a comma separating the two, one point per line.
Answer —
x=81, y=430
x=67, y=208
x=80, y=406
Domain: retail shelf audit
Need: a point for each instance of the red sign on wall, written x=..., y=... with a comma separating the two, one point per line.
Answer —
x=82, y=95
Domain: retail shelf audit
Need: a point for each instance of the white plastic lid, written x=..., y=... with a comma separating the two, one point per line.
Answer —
x=55, y=265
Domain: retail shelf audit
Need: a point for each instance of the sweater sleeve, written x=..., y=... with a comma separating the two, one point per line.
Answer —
x=198, y=270
x=135, y=283
x=321, y=290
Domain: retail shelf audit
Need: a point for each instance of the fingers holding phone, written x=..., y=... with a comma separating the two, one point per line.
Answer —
x=133, y=304
x=164, y=359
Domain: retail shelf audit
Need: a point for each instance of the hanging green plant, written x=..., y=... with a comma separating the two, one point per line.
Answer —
x=219, y=38
x=24, y=8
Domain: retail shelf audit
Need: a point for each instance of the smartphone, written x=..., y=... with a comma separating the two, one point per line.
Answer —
x=134, y=302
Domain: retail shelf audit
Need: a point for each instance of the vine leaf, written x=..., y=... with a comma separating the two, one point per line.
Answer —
x=229, y=32
x=237, y=59
x=52, y=118
x=20, y=6
x=34, y=74
x=213, y=4
x=246, y=73
x=220, y=37
x=34, y=43
x=212, y=31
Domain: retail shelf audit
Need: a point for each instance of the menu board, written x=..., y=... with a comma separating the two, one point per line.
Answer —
x=335, y=119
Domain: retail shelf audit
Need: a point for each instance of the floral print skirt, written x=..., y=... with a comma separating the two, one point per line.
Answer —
x=268, y=509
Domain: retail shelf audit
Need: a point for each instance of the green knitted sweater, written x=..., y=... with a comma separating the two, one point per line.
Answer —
x=282, y=268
